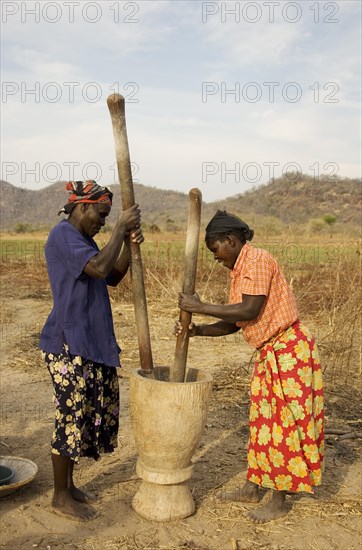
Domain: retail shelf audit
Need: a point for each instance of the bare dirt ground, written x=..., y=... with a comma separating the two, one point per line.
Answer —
x=331, y=519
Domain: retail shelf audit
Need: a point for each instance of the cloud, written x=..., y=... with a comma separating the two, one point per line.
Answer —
x=102, y=28
x=160, y=64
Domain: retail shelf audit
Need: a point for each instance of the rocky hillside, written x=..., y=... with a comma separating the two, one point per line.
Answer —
x=294, y=202
x=40, y=208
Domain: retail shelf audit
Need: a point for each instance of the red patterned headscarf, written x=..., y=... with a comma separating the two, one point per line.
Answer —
x=85, y=191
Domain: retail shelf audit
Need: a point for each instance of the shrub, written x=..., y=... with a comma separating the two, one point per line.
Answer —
x=329, y=219
x=23, y=228
x=316, y=225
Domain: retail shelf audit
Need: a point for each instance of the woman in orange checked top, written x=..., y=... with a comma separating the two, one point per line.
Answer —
x=286, y=441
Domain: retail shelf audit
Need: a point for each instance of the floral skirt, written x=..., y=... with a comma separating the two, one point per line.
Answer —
x=286, y=446
x=86, y=395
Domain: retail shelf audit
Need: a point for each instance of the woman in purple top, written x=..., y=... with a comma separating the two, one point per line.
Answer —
x=78, y=341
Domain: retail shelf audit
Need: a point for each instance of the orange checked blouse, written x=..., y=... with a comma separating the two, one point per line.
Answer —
x=257, y=273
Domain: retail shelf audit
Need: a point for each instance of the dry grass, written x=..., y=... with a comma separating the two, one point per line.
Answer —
x=329, y=294
x=325, y=276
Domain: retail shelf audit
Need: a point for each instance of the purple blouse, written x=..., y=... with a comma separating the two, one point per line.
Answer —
x=81, y=316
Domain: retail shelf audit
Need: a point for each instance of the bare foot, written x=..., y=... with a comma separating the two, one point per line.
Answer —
x=274, y=509
x=249, y=492
x=66, y=506
x=80, y=495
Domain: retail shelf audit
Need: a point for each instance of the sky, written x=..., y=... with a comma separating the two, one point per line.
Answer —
x=220, y=95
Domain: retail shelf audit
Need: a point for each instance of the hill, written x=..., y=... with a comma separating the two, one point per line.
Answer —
x=284, y=200
x=40, y=208
x=297, y=202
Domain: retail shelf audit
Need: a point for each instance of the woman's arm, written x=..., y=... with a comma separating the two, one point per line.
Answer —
x=221, y=328
x=102, y=263
x=247, y=310
x=120, y=267
x=122, y=264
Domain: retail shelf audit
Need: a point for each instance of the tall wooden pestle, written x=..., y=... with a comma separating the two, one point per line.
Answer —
x=116, y=106
x=191, y=253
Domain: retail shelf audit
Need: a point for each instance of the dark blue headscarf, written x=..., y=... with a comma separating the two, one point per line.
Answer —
x=223, y=223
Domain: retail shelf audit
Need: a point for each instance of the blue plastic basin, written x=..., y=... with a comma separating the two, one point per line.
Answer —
x=6, y=475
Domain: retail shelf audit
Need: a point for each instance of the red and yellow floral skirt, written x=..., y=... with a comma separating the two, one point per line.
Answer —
x=286, y=446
